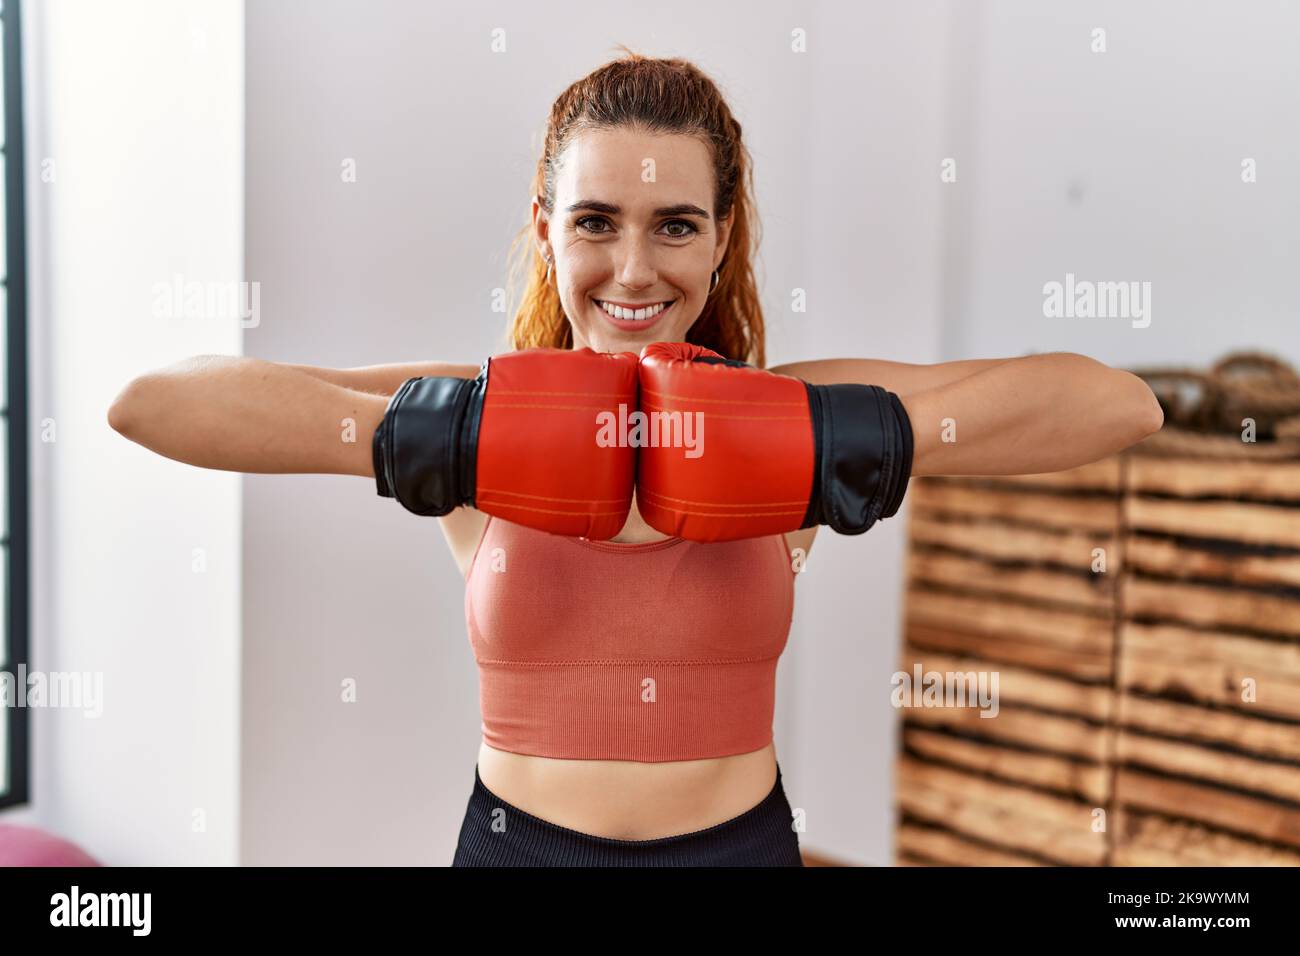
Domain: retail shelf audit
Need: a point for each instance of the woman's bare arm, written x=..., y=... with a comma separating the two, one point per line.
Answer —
x=245, y=414
x=250, y=415
x=1006, y=416
x=1030, y=415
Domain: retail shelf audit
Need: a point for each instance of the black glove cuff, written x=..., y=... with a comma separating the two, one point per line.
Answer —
x=425, y=449
x=863, y=446
x=902, y=472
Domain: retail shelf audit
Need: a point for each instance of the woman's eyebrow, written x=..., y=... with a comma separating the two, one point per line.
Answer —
x=595, y=205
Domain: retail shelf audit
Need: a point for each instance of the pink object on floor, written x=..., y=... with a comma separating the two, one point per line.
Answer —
x=29, y=846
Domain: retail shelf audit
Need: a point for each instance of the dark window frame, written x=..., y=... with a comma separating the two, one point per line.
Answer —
x=15, y=404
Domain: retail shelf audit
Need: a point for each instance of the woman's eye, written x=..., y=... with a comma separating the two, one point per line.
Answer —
x=588, y=224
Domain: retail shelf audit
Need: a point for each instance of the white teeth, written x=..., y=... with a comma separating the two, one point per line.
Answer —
x=639, y=315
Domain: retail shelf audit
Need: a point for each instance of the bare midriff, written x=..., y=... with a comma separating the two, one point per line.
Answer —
x=628, y=800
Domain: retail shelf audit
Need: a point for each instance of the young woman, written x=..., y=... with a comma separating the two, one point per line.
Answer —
x=642, y=231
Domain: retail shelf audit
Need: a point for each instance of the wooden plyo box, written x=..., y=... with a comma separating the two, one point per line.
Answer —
x=1142, y=615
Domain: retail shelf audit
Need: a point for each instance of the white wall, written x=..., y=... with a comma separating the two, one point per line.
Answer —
x=1126, y=165
x=138, y=109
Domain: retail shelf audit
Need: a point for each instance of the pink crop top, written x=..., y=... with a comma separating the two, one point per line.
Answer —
x=594, y=650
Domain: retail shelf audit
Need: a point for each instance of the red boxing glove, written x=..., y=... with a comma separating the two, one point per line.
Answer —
x=733, y=451
x=523, y=441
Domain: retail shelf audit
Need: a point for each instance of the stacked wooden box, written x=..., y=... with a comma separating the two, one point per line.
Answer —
x=1143, y=617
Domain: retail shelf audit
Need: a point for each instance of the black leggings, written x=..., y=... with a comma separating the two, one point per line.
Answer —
x=761, y=836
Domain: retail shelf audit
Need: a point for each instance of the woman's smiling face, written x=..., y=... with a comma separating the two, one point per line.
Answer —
x=632, y=237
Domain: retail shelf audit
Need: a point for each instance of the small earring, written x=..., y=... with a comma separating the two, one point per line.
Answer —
x=548, y=270
x=714, y=284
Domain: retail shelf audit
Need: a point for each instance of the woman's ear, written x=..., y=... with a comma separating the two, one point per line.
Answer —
x=541, y=228
x=724, y=236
